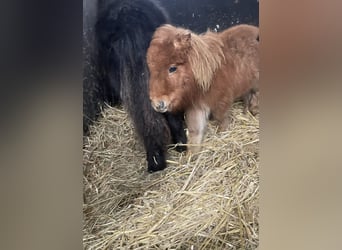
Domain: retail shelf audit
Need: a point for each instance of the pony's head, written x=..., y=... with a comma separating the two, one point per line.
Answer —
x=172, y=82
x=182, y=65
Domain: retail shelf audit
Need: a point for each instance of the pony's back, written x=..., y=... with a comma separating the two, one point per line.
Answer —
x=242, y=52
x=240, y=32
x=242, y=40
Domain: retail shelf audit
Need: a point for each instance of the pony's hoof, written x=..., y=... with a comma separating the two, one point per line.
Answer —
x=180, y=148
x=191, y=156
x=192, y=151
x=154, y=168
x=156, y=163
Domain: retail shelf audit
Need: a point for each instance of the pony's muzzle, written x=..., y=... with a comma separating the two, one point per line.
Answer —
x=160, y=106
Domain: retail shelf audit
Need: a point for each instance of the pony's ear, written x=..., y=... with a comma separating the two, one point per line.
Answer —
x=182, y=40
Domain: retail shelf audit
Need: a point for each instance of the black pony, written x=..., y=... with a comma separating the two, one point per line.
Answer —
x=116, y=36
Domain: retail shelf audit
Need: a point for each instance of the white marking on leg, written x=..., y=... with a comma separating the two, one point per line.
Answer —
x=196, y=120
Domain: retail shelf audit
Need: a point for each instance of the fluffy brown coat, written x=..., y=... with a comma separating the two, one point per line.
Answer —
x=202, y=74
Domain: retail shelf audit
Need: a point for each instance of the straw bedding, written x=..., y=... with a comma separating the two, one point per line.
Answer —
x=209, y=201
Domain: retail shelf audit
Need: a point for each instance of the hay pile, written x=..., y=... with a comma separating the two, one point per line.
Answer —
x=207, y=202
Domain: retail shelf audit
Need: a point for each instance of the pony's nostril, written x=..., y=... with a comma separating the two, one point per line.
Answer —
x=161, y=105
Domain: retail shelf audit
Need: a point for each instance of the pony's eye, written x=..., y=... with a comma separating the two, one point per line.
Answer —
x=172, y=69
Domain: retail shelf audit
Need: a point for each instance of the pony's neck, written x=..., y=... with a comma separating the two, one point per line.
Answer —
x=205, y=57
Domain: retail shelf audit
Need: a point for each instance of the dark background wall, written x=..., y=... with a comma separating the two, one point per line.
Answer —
x=198, y=15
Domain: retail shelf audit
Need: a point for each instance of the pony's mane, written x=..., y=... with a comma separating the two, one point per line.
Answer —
x=205, y=53
x=205, y=56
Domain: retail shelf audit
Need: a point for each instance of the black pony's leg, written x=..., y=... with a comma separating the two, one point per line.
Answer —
x=155, y=154
x=176, y=125
x=156, y=139
x=154, y=130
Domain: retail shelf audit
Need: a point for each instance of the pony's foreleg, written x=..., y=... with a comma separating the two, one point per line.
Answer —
x=155, y=153
x=196, y=120
x=175, y=122
x=153, y=129
x=155, y=139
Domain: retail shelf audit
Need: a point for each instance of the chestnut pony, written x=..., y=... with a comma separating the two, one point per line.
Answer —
x=203, y=74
